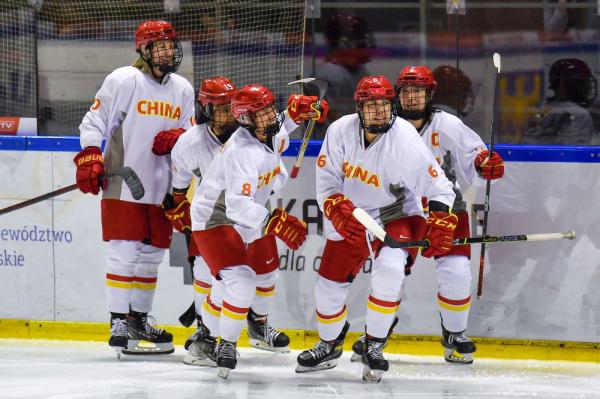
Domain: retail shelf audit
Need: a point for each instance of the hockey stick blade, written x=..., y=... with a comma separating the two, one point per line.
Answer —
x=129, y=177
x=187, y=318
x=132, y=181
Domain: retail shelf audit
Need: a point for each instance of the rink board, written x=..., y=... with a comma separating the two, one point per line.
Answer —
x=52, y=257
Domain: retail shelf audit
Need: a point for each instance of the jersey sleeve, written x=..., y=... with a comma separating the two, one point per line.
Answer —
x=420, y=172
x=281, y=178
x=464, y=145
x=188, y=112
x=108, y=111
x=181, y=167
x=241, y=182
x=329, y=174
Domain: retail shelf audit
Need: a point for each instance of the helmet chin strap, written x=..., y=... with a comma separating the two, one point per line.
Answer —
x=413, y=115
x=378, y=129
x=269, y=133
x=226, y=131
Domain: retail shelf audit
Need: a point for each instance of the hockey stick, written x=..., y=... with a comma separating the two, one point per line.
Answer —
x=187, y=317
x=486, y=204
x=130, y=178
x=371, y=225
x=322, y=86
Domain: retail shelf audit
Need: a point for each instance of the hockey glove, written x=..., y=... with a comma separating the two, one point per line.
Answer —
x=338, y=209
x=177, y=210
x=440, y=233
x=165, y=141
x=489, y=168
x=301, y=108
x=90, y=167
x=287, y=228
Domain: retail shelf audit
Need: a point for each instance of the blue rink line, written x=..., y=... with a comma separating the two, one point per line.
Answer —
x=510, y=152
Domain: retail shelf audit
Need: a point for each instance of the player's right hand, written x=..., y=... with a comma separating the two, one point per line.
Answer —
x=440, y=233
x=177, y=211
x=301, y=108
x=338, y=209
x=90, y=167
x=165, y=141
x=287, y=228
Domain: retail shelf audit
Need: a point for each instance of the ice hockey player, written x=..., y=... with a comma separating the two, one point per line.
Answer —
x=459, y=150
x=231, y=222
x=377, y=162
x=133, y=104
x=191, y=155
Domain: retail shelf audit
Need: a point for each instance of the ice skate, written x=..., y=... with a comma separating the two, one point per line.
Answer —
x=324, y=355
x=372, y=358
x=263, y=336
x=459, y=348
x=357, y=346
x=226, y=358
x=118, y=333
x=202, y=352
x=146, y=339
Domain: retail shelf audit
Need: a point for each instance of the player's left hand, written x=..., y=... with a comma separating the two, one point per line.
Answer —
x=440, y=233
x=178, y=212
x=489, y=167
x=287, y=228
x=301, y=108
x=165, y=141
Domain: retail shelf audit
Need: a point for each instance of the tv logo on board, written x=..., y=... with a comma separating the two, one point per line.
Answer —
x=9, y=125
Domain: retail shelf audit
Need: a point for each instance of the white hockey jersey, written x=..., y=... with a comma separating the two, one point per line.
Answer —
x=129, y=110
x=455, y=147
x=192, y=154
x=237, y=186
x=387, y=179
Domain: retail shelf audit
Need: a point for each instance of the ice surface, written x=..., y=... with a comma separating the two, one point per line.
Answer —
x=64, y=369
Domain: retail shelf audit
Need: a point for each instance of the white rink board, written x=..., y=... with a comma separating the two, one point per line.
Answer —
x=546, y=290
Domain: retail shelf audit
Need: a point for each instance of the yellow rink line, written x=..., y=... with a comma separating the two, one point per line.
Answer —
x=301, y=339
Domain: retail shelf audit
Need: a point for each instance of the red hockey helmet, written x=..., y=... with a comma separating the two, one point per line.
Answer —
x=216, y=91
x=417, y=76
x=454, y=89
x=372, y=88
x=248, y=100
x=152, y=31
x=576, y=77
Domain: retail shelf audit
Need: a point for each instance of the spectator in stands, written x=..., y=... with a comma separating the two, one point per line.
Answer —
x=565, y=118
x=350, y=44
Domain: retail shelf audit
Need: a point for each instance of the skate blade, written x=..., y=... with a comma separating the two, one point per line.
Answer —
x=369, y=375
x=454, y=357
x=323, y=366
x=223, y=372
x=135, y=347
x=199, y=361
x=258, y=344
x=355, y=358
x=118, y=351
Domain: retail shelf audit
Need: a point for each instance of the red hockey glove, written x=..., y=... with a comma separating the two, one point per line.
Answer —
x=338, y=209
x=301, y=108
x=440, y=233
x=178, y=212
x=287, y=228
x=490, y=168
x=165, y=141
x=90, y=167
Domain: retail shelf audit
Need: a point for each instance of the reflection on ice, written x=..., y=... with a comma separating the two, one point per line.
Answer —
x=90, y=370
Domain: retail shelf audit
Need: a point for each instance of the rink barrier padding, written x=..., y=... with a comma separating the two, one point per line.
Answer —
x=494, y=348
